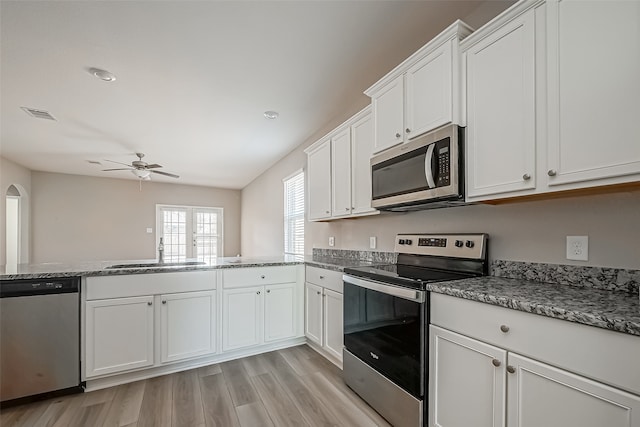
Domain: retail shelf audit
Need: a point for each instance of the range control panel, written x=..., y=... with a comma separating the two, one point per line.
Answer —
x=449, y=245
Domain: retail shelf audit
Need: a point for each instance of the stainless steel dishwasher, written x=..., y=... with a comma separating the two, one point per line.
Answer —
x=39, y=338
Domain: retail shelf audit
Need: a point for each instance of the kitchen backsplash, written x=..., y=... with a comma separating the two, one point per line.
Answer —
x=370, y=256
x=613, y=279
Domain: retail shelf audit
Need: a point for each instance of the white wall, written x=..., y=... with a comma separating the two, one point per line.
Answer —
x=80, y=218
x=13, y=174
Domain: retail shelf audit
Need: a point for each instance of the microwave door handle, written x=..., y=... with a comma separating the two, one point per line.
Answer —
x=427, y=166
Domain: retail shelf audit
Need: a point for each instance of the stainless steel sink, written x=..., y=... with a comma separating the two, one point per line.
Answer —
x=157, y=264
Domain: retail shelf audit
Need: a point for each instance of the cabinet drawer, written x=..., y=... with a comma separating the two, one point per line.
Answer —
x=130, y=285
x=607, y=356
x=241, y=277
x=326, y=278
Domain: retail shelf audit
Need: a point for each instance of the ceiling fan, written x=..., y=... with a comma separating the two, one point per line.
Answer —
x=141, y=169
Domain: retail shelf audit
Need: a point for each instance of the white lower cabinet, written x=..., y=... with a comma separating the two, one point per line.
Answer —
x=187, y=325
x=119, y=335
x=254, y=315
x=324, y=311
x=475, y=383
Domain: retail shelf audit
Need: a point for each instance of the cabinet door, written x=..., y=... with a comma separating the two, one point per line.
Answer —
x=541, y=395
x=361, y=151
x=429, y=92
x=333, y=332
x=187, y=325
x=119, y=335
x=466, y=381
x=319, y=181
x=241, y=317
x=388, y=115
x=313, y=313
x=501, y=138
x=280, y=312
x=341, y=174
x=593, y=67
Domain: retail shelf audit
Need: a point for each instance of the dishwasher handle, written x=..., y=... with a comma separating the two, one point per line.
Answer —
x=34, y=287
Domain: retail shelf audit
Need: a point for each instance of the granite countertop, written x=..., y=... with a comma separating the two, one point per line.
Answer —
x=335, y=264
x=613, y=310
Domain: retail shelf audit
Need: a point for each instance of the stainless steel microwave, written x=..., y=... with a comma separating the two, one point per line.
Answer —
x=425, y=173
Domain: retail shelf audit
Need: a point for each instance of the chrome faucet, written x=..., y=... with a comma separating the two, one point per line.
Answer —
x=161, y=252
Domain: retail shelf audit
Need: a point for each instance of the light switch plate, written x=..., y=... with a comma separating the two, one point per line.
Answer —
x=332, y=241
x=578, y=248
x=372, y=242
x=149, y=230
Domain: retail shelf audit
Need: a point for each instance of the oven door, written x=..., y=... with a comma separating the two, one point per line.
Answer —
x=384, y=326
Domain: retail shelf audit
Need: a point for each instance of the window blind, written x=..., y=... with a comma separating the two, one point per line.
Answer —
x=294, y=214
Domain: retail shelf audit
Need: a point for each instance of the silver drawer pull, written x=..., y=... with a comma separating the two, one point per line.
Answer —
x=496, y=362
x=149, y=303
x=262, y=277
x=164, y=302
x=552, y=172
x=526, y=177
x=321, y=277
x=511, y=369
x=504, y=328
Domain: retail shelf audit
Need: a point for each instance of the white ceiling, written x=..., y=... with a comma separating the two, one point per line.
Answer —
x=194, y=78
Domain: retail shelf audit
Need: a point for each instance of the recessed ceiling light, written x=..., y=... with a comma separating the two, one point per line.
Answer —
x=271, y=115
x=103, y=74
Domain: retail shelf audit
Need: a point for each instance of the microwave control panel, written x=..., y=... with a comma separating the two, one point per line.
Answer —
x=443, y=156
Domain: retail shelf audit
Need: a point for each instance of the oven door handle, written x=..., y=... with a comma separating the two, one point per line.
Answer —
x=404, y=293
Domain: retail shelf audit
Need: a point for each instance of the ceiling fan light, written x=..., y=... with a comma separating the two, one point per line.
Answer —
x=141, y=173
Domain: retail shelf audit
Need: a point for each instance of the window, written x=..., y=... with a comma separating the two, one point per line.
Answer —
x=294, y=214
x=189, y=232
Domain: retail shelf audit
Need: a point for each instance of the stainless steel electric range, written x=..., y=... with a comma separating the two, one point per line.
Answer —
x=386, y=319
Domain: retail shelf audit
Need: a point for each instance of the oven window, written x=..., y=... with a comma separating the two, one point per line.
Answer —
x=387, y=333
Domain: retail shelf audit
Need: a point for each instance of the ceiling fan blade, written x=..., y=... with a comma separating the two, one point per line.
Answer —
x=166, y=174
x=153, y=166
x=124, y=164
x=117, y=169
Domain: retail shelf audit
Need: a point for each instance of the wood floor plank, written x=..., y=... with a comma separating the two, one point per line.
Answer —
x=312, y=409
x=255, y=365
x=156, y=404
x=237, y=379
x=69, y=413
x=209, y=370
x=27, y=415
x=126, y=405
x=187, y=400
x=218, y=406
x=55, y=409
x=277, y=402
x=299, y=361
x=253, y=415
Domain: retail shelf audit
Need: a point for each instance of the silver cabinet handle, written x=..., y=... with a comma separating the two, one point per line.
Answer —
x=496, y=362
x=346, y=209
x=258, y=293
x=149, y=303
x=268, y=291
x=504, y=328
x=321, y=277
x=262, y=277
x=526, y=177
x=164, y=301
x=511, y=369
x=552, y=172
x=398, y=135
x=326, y=211
x=318, y=292
x=408, y=130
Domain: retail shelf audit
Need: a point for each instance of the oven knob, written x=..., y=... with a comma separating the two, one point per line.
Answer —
x=469, y=243
x=401, y=242
x=408, y=241
x=459, y=243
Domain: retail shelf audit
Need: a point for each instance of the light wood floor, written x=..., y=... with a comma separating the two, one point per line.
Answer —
x=291, y=387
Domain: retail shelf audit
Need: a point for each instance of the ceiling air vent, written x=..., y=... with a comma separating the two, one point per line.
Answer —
x=38, y=114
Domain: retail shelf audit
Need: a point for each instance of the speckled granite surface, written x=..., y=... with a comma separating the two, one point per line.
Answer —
x=612, y=279
x=618, y=311
x=335, y=264
x=364, y=256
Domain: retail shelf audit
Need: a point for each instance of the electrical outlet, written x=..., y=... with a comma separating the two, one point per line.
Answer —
x=578, y=248
x=332, y=241
x=372, y=242
x=149, y=230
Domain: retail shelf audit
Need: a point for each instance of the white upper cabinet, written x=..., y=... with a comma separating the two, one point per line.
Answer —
x=501, y=133
x=338, y=171
x=341, y=173
x=421, y=94
x=361, y=151
x=593, y=68
x=319, y=181
x=388, y=113
x=552, y=98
